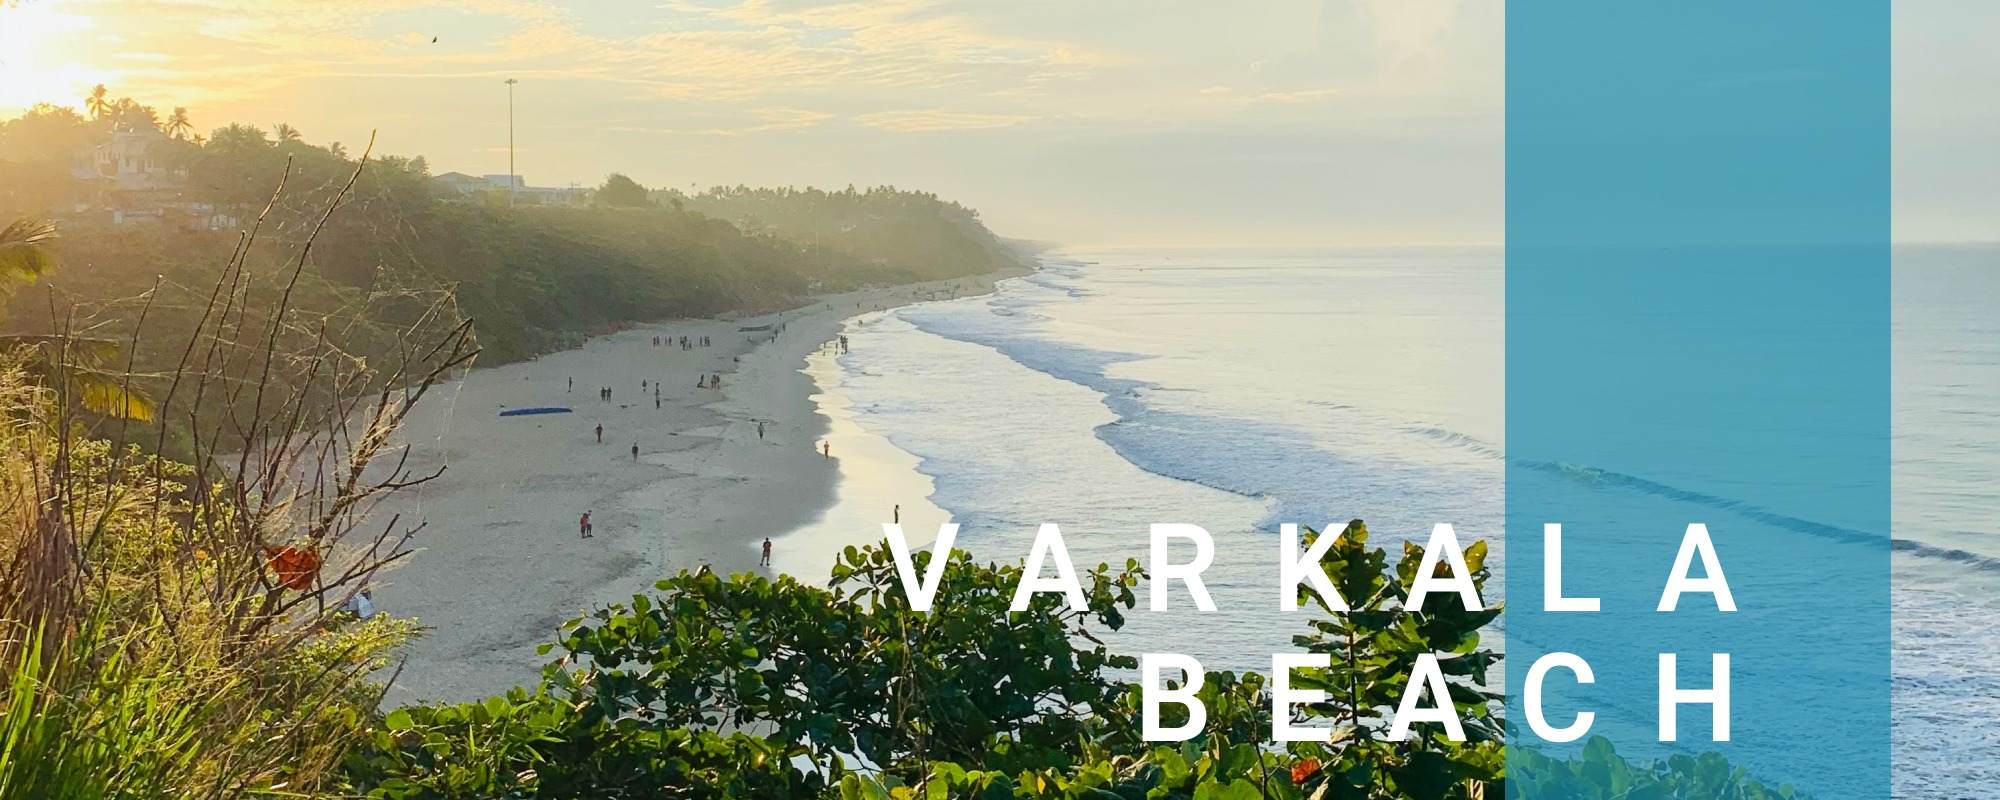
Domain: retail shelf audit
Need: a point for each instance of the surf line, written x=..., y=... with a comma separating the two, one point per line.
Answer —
x=1442, y=570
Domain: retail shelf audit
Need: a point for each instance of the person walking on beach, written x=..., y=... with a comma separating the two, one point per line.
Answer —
x=583, y=526
x=826, y=449
x=635, y=452
x=766, y=560
x=896, y=515
x=760, y=430
x=600, y=433
x=572, y=385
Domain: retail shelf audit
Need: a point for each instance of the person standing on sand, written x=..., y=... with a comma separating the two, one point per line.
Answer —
x=572, y=385
x=766, y=560
x=826, y=449
x=760, y=430
x=600, y=433
x=583, y=526
x=896, y=516
x=635, y=452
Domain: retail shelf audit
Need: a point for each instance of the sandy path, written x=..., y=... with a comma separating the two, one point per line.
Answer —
x=500, y=565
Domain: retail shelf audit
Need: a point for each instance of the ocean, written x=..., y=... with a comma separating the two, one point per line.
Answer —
x=1238, y=390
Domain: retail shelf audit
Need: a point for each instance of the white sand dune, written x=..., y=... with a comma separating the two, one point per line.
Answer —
x=500, y=565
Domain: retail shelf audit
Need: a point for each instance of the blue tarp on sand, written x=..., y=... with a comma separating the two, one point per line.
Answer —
x=522, y=412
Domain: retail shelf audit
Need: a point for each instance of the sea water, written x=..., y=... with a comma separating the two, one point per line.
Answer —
x=1239, y=390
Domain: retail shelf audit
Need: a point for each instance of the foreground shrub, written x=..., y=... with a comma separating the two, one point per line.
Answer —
x=150, y=645
x=745, y=687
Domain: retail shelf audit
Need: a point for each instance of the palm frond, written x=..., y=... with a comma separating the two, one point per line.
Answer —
x=105, y=395
x=76, y=363
x=23, y=253
x=53, y=348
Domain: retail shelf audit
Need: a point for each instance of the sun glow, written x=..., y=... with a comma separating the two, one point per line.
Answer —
x=38, y=48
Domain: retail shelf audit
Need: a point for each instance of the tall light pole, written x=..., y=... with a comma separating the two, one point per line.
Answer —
x=512, y=179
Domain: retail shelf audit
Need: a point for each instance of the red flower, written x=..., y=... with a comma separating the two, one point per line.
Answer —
x=1304, y=770
x=296, y=567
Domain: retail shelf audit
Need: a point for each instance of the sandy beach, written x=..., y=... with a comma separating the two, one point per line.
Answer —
x=499, y=565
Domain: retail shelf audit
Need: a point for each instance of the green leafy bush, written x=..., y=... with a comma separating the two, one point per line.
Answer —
x=742, y=686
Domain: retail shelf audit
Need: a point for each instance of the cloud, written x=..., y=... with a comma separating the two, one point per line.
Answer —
x=1296, y=96
x=928, y=120
x=765, y=120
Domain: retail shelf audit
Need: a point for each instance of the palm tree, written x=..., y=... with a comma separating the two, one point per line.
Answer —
x=178, y=125
x=128, y=115
x=286, y=133
x=98, y=103
x=80, y=367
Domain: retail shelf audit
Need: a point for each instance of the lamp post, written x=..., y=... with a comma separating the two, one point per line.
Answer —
x=512, y=179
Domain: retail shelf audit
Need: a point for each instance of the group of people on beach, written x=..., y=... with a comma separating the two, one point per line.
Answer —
x=705, y=381
x=684, y=342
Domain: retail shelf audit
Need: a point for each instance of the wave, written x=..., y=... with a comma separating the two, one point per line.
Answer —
x=1453, y=438
x=1276, y=463
x=1743, y=508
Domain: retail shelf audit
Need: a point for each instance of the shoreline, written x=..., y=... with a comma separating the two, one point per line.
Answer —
x=500, y=565
x=879, y=482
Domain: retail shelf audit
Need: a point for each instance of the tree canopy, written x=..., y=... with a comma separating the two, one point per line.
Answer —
x=619, y=191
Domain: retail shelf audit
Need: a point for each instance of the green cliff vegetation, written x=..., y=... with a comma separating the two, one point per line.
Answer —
x=139, y=198
x=901, y=231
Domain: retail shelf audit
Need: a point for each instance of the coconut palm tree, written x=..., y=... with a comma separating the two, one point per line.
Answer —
x=178, y=125
x=128, y=115
x=286, y=133
x=80, y=367
x=98, y=103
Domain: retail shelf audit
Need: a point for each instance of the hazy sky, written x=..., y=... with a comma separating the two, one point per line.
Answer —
x=1132, y=121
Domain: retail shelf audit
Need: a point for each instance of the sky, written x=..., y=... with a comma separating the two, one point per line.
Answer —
x=1117, y=122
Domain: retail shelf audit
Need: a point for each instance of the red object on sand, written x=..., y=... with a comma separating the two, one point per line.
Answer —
x=296, y=568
